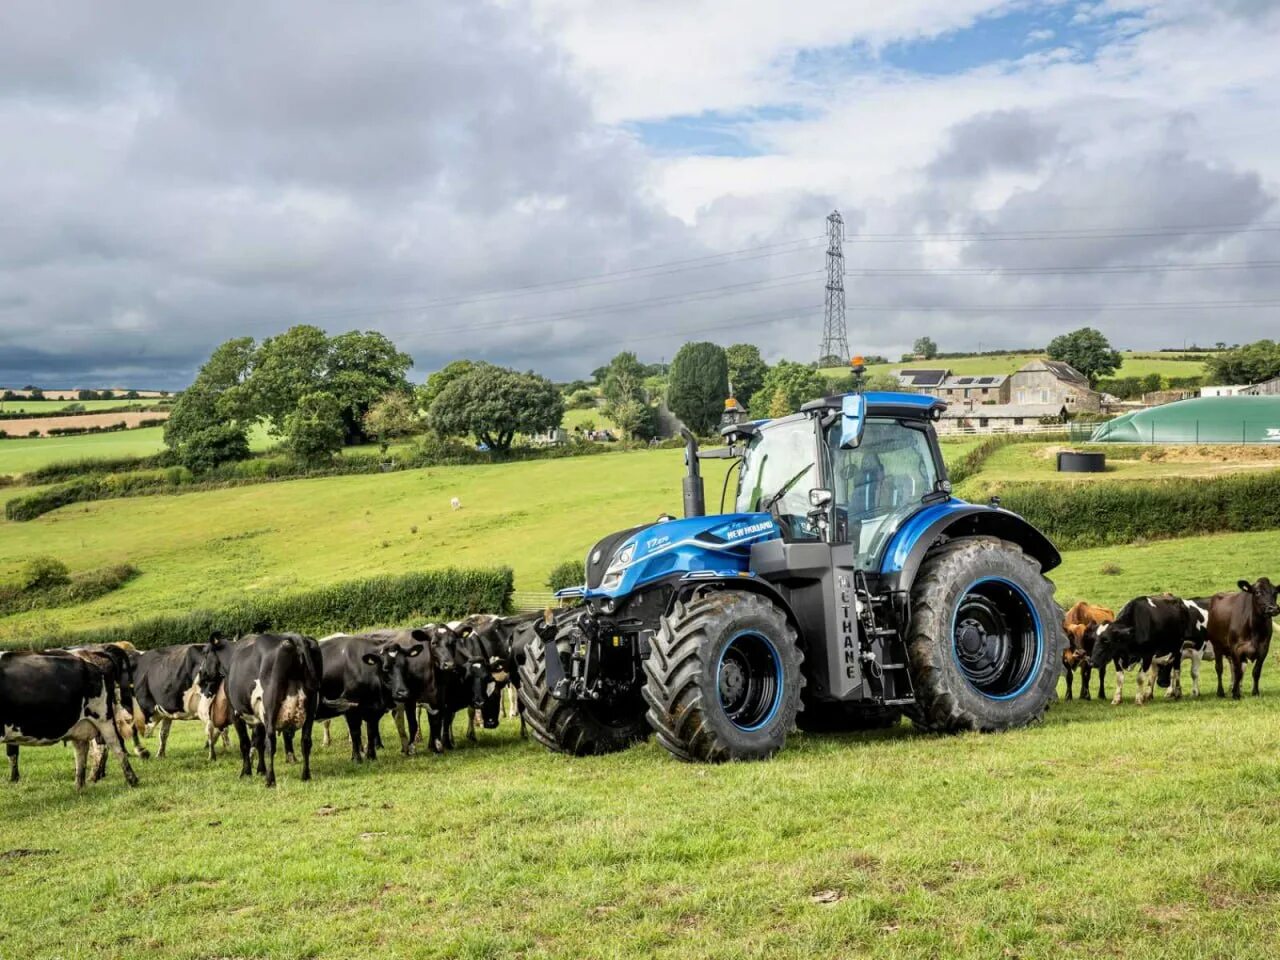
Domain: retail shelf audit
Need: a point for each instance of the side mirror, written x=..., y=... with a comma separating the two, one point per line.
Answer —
x=853, y=419
x=820, y=497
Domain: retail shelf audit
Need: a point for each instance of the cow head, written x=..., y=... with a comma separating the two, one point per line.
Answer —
x=211, y=673
x=392, y=661
x=1110, y=641
x=1263, y=592
x=1075, y=653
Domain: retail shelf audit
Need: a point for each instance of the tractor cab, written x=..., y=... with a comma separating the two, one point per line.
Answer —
x=846, y=470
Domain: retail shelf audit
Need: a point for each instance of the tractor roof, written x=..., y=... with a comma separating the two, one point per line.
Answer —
x=886, y=404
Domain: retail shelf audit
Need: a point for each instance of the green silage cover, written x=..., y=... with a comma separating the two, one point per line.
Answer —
x=1201, y=420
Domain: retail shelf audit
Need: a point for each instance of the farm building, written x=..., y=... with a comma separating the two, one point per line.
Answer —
x=1268, y=388
x=1225, y=390
x=1000, y=417
x=1239, y=419
x=1055, y=382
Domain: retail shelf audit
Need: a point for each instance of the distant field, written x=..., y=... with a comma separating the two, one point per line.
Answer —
x=20, y=455
x=1038, y=462
x=55, y=406
x=573, y=418
x=1136, y=364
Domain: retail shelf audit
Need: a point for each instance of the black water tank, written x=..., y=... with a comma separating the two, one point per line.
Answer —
x=1076, y=461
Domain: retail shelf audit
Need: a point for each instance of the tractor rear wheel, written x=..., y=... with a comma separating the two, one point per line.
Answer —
x=579, y=728
x=985, y=641
x=723, y=678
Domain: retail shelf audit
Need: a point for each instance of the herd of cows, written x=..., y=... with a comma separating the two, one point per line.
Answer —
x=103, y=698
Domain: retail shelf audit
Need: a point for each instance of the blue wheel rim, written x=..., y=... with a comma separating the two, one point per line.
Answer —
x=997, y=639
x=749, y=680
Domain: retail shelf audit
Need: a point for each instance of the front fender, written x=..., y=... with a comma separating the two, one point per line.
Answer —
x=743, y=583
x=955, y=518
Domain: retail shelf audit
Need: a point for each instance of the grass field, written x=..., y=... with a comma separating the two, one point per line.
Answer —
x=53, y=406
x=1105, y=832
x=27, y=453
x=1136, y=364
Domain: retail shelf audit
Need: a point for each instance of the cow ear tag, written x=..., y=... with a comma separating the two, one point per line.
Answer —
x=415, y=650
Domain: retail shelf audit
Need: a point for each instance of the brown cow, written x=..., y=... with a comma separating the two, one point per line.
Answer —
x=1081, y=623
x=1240, y=630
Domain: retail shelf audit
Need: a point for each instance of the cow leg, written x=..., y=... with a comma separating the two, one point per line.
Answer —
x=1102, y=682
x=1070, y=676
x=307, y=724
x=138, y=749
x=1217, y=665
x=1237, y=675
x=211, y=739
x=372, y=738
x=520, y=711
x=1257, y=674
x=165, y=724
x=269, y=741
x=288, y=746
x=1175, y=686
x=260, y=745
x=226, y=739
x=437, y=731
x=12, y=750
x=398, y=715
x=242, y=734
x=353, y=724
x=417, y=722
x=1196, y=657
x=1119, y=696
x=97, y=759
x=82, y=756
x=1086, y=674
x=446, y=729
x=111, y=737
x=325, y=739
x=471, y=724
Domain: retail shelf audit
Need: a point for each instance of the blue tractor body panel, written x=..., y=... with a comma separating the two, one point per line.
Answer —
x=719, y=545
x=913, y=528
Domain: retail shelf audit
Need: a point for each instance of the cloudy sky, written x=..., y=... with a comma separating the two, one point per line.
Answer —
x=545, y=182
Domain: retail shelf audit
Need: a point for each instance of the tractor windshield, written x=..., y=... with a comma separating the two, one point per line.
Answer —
x=881, y=482
x=780, y=463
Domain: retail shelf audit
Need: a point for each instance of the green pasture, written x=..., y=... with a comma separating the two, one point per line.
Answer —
x=1104, y=832
x=55, y=406
x=1136, y=364
x=27, y=453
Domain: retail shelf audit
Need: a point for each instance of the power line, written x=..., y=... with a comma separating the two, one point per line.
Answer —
x=1088, y=233
x=1048, y=270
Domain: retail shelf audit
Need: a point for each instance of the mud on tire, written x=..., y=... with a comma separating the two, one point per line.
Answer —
x=573, y=727
x=985, y=640
x=723, y=678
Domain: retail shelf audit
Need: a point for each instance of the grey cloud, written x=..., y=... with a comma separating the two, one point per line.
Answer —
x=1003, y=140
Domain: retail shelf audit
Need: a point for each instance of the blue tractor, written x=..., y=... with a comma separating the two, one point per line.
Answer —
x=845, y=589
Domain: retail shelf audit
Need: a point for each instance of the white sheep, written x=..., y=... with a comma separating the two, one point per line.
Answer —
x=455, y=503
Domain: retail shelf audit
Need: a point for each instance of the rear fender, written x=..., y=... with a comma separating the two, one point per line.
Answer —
x=952, y=520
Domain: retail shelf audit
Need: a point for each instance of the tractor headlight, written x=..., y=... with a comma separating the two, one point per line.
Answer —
x=623, y=556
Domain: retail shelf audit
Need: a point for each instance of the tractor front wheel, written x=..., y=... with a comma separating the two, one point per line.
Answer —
x=985, y=641
x=723, y=678
x=575, y=727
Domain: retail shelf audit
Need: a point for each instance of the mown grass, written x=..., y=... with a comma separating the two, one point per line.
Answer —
x=1106, y=831
x=22, y=454
x=90, y=406
x=1136, y=364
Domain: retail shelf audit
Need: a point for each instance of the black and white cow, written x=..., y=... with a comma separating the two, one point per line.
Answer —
x=364, y=676
x=53, y=697
x=167, y=688
x=272, y=684
x=1145, y=630
x=1193, y=649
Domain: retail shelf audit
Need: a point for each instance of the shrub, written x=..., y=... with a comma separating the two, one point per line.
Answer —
x=202, y=450
x=41, y=573
x=571, y=573
x=1099, y=514
x=73, y=590
x=411, y=598
x=36, y=504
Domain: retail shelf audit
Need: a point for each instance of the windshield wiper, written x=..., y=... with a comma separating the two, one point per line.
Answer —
x=786, y=488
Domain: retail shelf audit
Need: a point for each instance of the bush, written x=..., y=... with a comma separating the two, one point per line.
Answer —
x=73, y=590
x=412, y=598
x=1100, y=514
x=571, y=573
x=41, y=573
x=37, y=504
x=202, y=450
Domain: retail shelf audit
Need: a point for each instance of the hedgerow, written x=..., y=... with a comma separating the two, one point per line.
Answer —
x=411, y=598
x=1098, y=514
x=81, y=588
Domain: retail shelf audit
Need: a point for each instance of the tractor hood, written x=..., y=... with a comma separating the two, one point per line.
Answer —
x=628, y=560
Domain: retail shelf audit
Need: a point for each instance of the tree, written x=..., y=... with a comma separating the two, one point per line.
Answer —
x=699, y=385
x=428, y=392
x=315, y=430
x=1250, y=363
x=218, y=443
x=925, y=347
x=795, y=382
x=1152, y=383
x=636, y=419
x=286, y=368
x=624, y=379
x=779, y=405
x=216, y=399
x=1088, y=351
x=395, y=415
x=362, y=369
x=494, y=404
x=747, y=371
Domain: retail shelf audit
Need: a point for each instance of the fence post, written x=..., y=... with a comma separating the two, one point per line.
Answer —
x=1197, y=431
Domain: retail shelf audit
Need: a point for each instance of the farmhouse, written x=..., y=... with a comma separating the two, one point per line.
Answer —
x=1054, y=382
